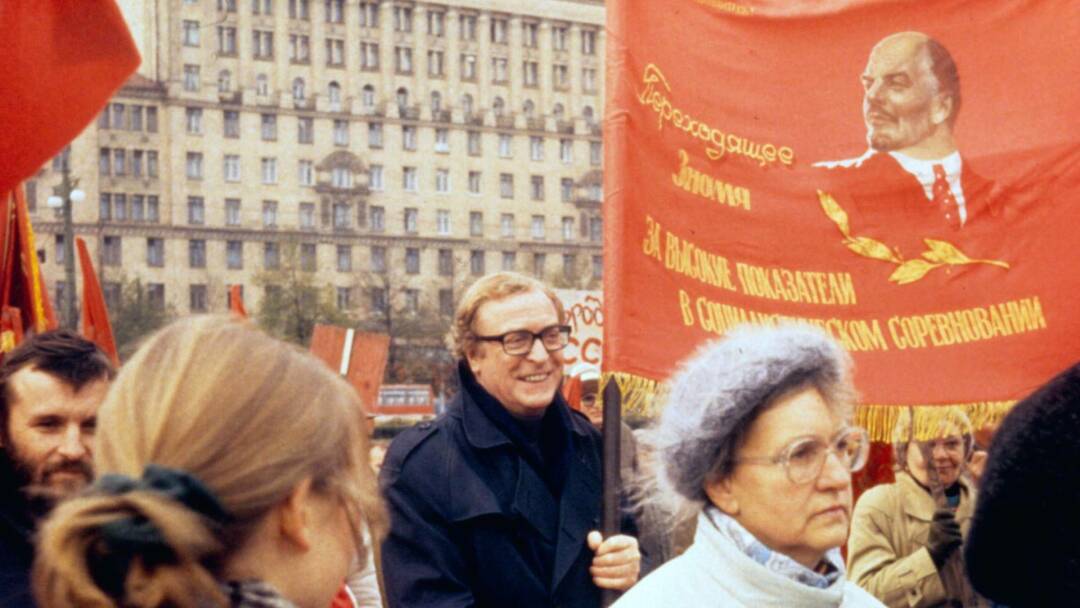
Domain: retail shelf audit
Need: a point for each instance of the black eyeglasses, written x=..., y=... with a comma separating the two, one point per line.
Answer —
x=520, y=342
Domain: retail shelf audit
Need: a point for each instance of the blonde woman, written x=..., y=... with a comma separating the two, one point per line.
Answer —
x=233, y=472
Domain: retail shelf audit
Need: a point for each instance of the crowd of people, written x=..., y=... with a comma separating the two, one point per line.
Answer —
x=221, y=467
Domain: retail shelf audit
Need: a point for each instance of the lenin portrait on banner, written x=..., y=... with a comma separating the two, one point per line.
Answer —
x=913, y=182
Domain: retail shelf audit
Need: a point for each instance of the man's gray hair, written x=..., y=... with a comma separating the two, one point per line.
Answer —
x=719, y=391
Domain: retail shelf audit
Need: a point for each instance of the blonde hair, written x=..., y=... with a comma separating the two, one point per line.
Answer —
x=248, y=416
x=929, y=423
x=497, y=286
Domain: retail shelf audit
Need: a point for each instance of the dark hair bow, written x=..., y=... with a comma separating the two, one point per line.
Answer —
x=135, y=535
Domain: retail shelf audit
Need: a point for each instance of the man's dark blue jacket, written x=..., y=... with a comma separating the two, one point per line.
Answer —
x=474, y=523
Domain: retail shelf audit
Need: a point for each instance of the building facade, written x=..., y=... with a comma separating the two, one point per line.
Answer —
x=394, y=150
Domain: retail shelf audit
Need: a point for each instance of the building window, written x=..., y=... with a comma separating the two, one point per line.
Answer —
x=269, y=170
x=120, y=207
x=596, y=229
x=271, y=255
x=197, y=297
x=155, y=295
x=344, y=258
x=378, y=259
x=558, y=37
x=446, y=262
x=476, y=262
x=231, y=124
x=226, y=40
x=403, y=59
x=568, y=228
x=194, y=166
x=262, y=85
x=262, y=7
x=588, y=80
x=232, y=168
x=408, y=179
x=588, y=42
x=269, y=214
x=499, y=72
x=467, y=27
x=403, y=19
x=299, y=89
x=566, y=151
x=268, y=123
x=152, y=213
x=468, y=68
x=411, y=220
x=369, y=14
x=155, y=252
x=500, y=26
x=341, y=132
x=566, y=189
x=435, y=63
x=305, y=130
x=191, y=79
x=442, y=140
x=446, y=302
x=379, y=299
x=539, y=264
x=538, y=227
x=506, y=226
x=442, y=222
x=375, y=178
x=474, y=143
x=197, y=253
x=307, y=216
x=306, y=173
x=596, y=153
x=412, y=260
x=341, y=177
x=474, y=182
x=377, y=218
x=476, y=223
x=341, y=215
x=569, y=265
x=120, y=162
x=531, y=73
x=505, y=145
x=436, y=23
x=112, y=251
x=191, y=33
x=299, y=9
x=560, y=76
x=138, y=208
x=530, y=35
x=369, y=57
x=506, y=185
x=344, y=298
x=232, y=212
x=509, y=261
x=299, y=51
x=196, y=210
x=234, y=255
x=151, y=119
x=224, y=81
x=536, y=187
x=375, y=135
x=408, y=137
x=412, y=301
x=597, y=267
x=308, y=261
x=442, y=180
x=335, y=52
x=335, y=11
x=262, y=44
x=536, y=148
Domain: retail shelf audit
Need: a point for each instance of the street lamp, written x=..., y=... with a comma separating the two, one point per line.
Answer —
x=69, y=195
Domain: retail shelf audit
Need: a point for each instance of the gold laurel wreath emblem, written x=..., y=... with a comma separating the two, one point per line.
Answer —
x=940, y=253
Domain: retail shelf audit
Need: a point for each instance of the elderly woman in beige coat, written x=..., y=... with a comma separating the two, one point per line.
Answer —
x=901, y=539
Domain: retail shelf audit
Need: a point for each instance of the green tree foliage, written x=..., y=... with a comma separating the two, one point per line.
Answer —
x=135, y=315
x=293, y=302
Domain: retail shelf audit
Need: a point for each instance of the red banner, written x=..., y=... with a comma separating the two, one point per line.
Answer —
x=95, y=314
x=900, y=174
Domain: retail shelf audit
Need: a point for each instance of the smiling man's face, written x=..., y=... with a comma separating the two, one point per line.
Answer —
x=524, y=384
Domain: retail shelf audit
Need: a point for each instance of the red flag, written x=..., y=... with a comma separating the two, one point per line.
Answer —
x=62, y=60
x=359, y=357
x=24, y=299
x=95, y=315
x=236, y=301
x=938, y=244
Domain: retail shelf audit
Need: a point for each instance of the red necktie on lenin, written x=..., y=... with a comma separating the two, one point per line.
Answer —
x=944, y=199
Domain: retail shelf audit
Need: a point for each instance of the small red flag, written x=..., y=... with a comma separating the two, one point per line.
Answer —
x=236, y=301
x=95, y=315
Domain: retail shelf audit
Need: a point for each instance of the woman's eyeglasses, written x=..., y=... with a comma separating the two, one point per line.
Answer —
x=804, y=459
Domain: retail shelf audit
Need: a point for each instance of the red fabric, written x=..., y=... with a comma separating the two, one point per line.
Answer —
x=367, y=359
x=62, y=60
x=343, y=599
x=236, y=301
x=717, y=213
x=24, y=297
x=95, y=315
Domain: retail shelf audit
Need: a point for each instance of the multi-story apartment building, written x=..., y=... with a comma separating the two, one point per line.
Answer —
x=434, y=140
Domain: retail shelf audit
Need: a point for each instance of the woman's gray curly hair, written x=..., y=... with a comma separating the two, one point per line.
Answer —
x=719, y=391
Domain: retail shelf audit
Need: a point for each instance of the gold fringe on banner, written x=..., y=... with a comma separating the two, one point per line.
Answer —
x=643, y=397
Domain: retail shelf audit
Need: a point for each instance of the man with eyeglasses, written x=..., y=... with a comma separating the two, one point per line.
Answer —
x=496, y=503
x=902, y=539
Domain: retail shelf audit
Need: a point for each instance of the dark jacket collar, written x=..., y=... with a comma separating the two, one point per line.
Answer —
x=16, y=517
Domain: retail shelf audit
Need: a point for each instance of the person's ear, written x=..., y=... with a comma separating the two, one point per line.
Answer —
x=941, y=108
x=295, y=516
x=474, y=355
x=721, y=493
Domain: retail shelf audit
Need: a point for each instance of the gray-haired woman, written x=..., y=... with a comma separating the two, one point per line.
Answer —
x=756, y=441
